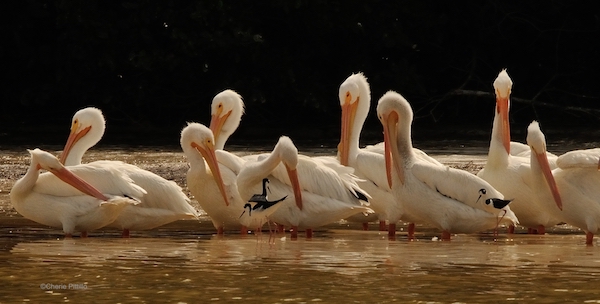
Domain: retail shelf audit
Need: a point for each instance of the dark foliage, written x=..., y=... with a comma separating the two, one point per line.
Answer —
x=153, y=65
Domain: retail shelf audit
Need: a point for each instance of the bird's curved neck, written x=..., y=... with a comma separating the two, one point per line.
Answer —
x=196, y=161
x=82, y=145
x=405, y=146
x=361, y=116
x=221, y=140
x=254, y=172
x=27, y=182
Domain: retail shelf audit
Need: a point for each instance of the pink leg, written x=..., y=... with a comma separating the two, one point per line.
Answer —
x=84, y=234
x=511, y=229
x=589, y=238
x=382, y=226
x=294, y=232
x=220, y=230
x=271, y=233
x=125, y=233
x=445, y=235
x=541, y=229
x=244, y=230
x=365, y=226
x=530, y=231
x=280, y=228
x=392, y=230
x=309, y=233
x=411, y=230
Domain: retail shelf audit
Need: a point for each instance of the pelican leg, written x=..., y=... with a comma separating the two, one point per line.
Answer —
x=309, y=233
x=220, y=230
x=445, y=235
x=541, y=230
x=382, y=226
x=294, y=232
x=84, y=234
x=589, y=238
x=411, y=230
x=271, y=233
x=365, y=226
x=244, y=230
x=68, y=236
x=280, y=228
x=511, y=229
x=531, y=231
x=125, y=233
x=392, y=230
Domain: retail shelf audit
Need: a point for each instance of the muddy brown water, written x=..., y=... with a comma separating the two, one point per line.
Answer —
x=186, y=262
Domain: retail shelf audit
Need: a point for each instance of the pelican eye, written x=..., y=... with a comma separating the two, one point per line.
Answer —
x=482, y=191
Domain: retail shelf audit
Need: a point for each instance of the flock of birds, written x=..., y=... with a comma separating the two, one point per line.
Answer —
x=389, y=182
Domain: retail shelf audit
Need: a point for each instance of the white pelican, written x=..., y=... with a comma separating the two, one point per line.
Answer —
x=570, y=192
x=165, y=201
x=452, y=200
x=62, y=197
x=504, y=170
x=227, y=109
x=321, y=194
x=214, y=187
x=368, y=163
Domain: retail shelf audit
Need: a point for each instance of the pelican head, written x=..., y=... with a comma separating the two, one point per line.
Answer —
x=198, y=139
x=537, y=142
x=87, y=128
x=226, y=111
x=395, y=114
x=43, y=160
x=502, y=88
x=355, y=100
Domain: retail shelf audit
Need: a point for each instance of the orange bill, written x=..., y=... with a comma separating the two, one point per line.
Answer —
x=68, y=177
x=348, y=115
x=293, y=175
x=502, y=109
x=545, y=166
x=211, y=159
x=74, y=136
x=391, y=153
x=217, y=121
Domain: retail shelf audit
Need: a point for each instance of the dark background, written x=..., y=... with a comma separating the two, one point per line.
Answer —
x=153, y=65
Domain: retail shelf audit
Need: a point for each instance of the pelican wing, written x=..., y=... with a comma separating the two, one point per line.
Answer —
x=325, y=177
x=587, y=158
x=161, y=193
x=230, y=160
x=371, y=166
x=380, y=147
x=106, y=179
x=457, y=184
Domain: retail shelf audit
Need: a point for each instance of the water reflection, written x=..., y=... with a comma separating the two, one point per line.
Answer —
x=338, y=264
